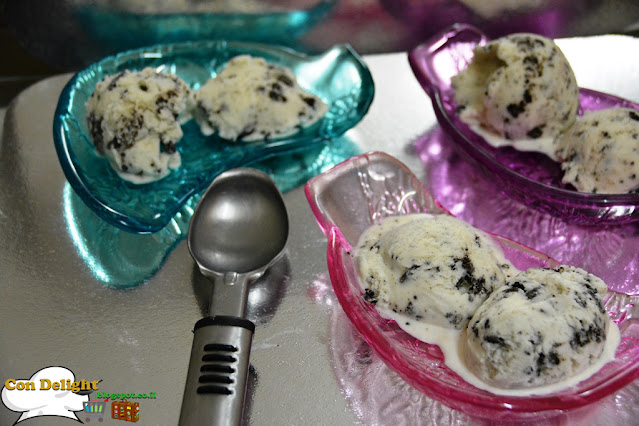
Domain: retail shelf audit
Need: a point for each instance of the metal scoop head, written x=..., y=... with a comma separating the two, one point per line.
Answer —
x=240, y=224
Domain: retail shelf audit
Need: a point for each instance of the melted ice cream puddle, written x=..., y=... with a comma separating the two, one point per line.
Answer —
x=449, y=341
x=545, y=145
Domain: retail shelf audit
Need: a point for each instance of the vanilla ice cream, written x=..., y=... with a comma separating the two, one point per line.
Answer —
x=519, y=89
x=251, y=100
x=541, y=327
x=600, y=152
x=133, y=117
x=431, y=268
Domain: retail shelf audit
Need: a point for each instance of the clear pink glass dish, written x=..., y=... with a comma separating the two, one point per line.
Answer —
x=364, y=189
x=532, y=178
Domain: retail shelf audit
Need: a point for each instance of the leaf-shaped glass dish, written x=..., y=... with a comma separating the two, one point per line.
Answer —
x=273, y=21
x=338, y=76
x=361, y=191
x=532, y=178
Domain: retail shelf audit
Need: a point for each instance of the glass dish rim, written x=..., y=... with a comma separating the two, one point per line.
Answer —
x=78, y=180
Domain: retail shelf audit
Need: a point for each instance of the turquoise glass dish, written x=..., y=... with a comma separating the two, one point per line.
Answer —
x=338, y=76
x=277, y=22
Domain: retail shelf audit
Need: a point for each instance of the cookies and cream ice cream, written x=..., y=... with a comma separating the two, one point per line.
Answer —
x=540, y=327
x=251, y=100
x=431, y=268
x=133, y=117
x=520, y=89
x=600, y=152
x=502, y=330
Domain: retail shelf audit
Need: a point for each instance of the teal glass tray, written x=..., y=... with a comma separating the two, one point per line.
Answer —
x=338, y=76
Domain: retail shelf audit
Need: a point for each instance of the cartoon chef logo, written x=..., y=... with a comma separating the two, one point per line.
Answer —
x=52, y=391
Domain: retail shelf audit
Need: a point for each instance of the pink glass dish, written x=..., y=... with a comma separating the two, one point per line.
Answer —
x=364, y=189
x=532, y=178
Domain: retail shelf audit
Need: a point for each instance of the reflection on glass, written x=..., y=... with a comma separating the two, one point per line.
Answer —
x=610, y=252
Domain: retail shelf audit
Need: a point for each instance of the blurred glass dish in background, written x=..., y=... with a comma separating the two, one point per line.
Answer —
x=123, y=24
x=56, y=32
x=71, y=34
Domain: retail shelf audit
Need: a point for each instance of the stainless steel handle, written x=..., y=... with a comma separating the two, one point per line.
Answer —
x=216, y=382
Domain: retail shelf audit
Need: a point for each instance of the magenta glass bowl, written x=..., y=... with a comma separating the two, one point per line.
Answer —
x=361, y=191
x=532, y=178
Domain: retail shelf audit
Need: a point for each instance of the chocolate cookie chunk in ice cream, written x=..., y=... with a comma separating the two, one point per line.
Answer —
x=518, y=90
x=543, y=326
x=434, y=269
x=600, y=152
x=252, y=100
x=133, y=121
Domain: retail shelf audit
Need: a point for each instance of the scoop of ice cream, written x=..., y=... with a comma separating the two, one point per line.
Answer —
x=251, y=99
x=600, y=152
x=542, y=326
x=435, y=269
x=133, y=121
x=519, y=87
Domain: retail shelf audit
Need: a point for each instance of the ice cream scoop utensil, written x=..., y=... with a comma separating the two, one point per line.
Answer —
x=239, y=227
